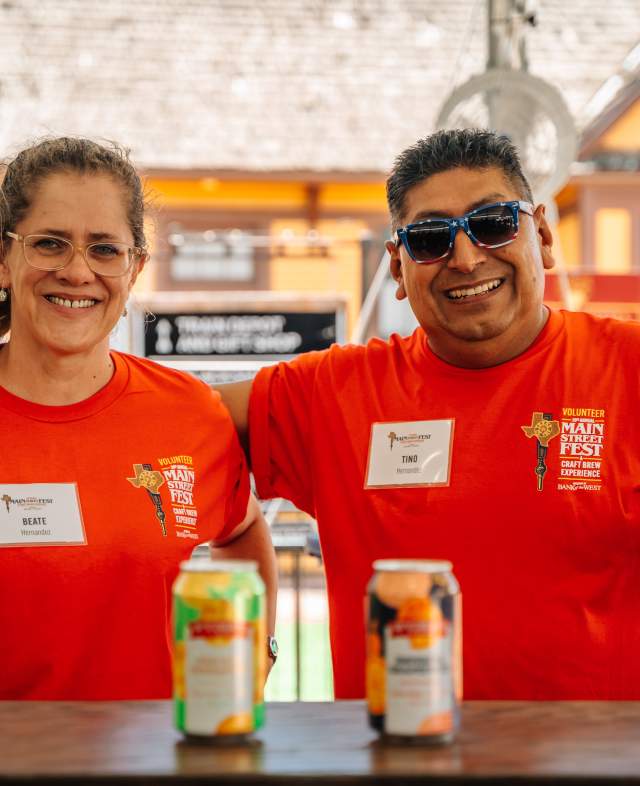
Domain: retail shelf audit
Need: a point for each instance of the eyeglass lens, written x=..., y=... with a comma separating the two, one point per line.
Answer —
x=53, y=253
x=492, y=226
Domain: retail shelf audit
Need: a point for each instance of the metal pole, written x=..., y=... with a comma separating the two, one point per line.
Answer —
x=498, y=17
x=373, y=293
x=296, y=596
x=498, y=55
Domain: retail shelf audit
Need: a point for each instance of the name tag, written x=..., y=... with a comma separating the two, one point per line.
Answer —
x=40, y=514
x=414, y=453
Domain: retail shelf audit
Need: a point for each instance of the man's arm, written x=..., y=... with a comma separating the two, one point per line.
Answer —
x=251, y=539
x=235, y=397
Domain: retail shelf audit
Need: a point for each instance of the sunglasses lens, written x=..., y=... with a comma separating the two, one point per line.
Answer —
x=428, y=241
x=493, y=226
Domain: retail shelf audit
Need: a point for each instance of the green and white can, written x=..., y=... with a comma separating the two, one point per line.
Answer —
x=219, y=652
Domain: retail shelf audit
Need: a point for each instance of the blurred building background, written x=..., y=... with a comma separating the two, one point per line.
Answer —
x=265, y=131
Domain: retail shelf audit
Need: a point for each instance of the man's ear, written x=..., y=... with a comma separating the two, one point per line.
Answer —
x=545, y=238
x=395, y=267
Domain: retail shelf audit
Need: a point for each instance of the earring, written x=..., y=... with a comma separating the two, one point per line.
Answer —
x=4, y=295
x=124, y=313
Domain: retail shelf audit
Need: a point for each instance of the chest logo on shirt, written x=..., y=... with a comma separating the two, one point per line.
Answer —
x=543, y=429
x=577, y=455
x=149, y=479
x=176, y=478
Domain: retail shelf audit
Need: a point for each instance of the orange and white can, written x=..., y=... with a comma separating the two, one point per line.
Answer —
x=414, y=650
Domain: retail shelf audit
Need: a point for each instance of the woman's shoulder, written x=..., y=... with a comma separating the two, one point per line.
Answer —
x=148, y=375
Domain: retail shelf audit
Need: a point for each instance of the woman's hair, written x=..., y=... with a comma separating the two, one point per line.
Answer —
x=31, y=166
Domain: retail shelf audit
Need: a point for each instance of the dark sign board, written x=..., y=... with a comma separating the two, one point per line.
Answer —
x=267, y=334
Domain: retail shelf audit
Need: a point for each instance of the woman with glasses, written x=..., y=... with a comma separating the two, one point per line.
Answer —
x=113, y=468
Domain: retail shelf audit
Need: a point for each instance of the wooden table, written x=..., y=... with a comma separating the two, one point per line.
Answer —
x=133, y=742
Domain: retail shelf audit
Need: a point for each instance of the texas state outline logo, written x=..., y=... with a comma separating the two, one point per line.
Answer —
x=150, y=480
x=543, y=429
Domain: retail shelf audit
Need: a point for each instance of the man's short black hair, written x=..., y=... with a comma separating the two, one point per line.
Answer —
x=472, y=148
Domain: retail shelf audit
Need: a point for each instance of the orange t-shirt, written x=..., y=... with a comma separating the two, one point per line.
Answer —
x=551, y=594
x=92, y=621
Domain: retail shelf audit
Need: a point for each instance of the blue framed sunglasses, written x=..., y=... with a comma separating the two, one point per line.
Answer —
x=489, y=226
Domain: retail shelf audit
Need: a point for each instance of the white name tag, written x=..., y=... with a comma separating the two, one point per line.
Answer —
x=414, y=453
x=40, y=514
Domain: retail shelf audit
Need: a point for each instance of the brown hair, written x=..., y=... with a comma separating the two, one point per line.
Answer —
x=65, y=154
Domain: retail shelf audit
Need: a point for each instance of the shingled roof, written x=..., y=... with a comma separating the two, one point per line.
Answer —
x=275, y=85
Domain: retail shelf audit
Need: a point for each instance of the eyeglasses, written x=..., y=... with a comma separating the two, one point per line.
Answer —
x=489, y=226
x=105, y=258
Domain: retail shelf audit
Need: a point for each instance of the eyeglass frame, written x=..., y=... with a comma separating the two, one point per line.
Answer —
x=462, y=222
x=134, y=251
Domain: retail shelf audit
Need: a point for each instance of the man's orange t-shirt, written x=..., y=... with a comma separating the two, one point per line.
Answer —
x=550, y=578
x=92, y=621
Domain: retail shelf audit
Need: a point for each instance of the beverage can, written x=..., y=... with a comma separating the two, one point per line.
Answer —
x=414, y=650
x=219, y=649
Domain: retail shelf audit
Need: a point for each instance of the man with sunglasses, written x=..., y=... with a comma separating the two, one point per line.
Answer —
x=499, y=435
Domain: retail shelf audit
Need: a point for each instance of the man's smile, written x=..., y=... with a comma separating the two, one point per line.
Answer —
x=475, y=290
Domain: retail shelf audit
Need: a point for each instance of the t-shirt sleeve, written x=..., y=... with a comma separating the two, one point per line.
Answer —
x=238, y=490
x=231, y=474
x=280, y=430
